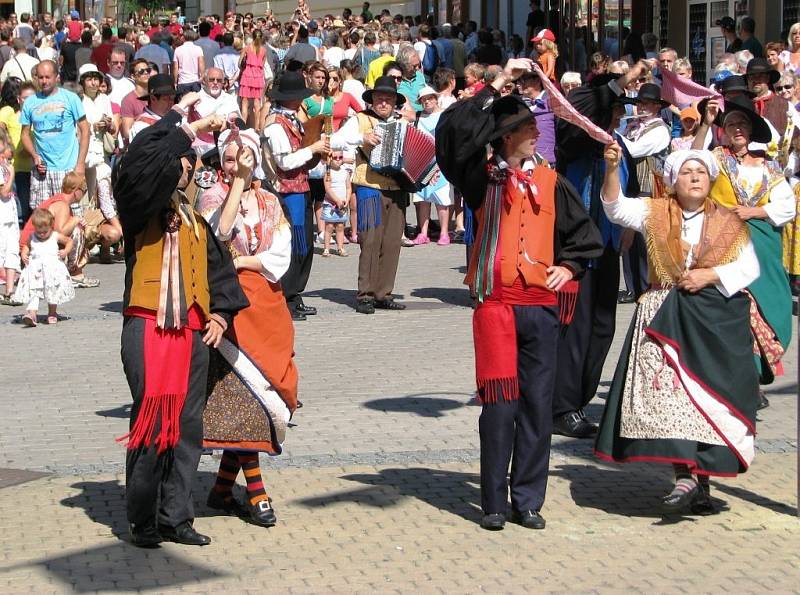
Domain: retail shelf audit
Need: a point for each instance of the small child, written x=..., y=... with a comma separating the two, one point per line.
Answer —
x=9, y=228
x=690, y=119
x=545, y=45
x=334, y=208
x=45, y=275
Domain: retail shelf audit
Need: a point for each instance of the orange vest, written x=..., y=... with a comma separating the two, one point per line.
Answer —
x=146, y=280
x=526, y=234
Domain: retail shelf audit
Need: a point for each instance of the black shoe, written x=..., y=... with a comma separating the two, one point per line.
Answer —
x=530, y=519
x=307, y=310
x=702, y=505
x=389, y=305
x=228, y=504
x=672, y=503
x=365, y=307
x=263, y=514
x=763, y=402
x=625, y=297
x=146, y=536
x=183, y=534
x=574, y=425
x=493, y=522
x=296, y=314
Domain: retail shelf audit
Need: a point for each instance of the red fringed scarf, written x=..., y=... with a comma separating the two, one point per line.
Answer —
x=167, y=359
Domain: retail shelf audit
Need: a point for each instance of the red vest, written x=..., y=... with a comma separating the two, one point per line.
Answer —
x=527, y=231
x=292, y=181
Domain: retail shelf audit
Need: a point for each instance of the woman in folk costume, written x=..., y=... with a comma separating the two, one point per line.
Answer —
x=685, y=391
x=252, y=377
x=181, y=293
x=756, y=190
x=534, y=236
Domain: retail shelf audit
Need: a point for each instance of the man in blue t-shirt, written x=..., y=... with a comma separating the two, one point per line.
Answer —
x=49, y=121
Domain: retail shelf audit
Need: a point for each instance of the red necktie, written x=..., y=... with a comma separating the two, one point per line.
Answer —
x=517, y=177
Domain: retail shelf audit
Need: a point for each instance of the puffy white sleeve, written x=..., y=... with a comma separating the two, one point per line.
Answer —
x=649, y=143
x=347, y=136
x=278, y=144
x=275, y=261
x=739, y=274
x=781, y=206
x=626, y=211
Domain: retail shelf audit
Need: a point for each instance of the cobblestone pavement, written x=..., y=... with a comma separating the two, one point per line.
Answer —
x=378, y=486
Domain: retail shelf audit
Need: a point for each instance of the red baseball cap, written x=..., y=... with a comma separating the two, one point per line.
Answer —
x=544, y=34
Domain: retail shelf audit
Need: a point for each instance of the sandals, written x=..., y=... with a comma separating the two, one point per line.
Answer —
x=52, y=320
x=29, y=320
x=8, y=300
x=342, y=252
x=326, y=253
x=83, y=282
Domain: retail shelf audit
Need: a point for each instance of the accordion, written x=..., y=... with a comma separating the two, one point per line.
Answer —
x=404, y=150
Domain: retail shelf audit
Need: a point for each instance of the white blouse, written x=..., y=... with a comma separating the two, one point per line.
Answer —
x=733, y=277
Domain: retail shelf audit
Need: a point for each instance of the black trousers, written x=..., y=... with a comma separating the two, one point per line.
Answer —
x=584, y=345
x=159, y=487
x=519, y=431
x=295, y=279
x=634, y=266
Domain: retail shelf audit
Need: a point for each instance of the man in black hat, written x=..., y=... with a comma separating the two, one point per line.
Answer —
x=534, y=237
x=381, y=202
x=585, y=343
x=286, y=165
x=181, y=293
x=732, y=43
x=160, y=98
x=776, y=110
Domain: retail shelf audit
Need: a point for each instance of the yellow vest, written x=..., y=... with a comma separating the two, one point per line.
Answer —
x=364, y=175
x=146, y=278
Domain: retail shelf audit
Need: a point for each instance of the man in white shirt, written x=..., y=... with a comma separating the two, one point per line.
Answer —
x=19, y=64
x=121, y=85
x=213, y=100
x=227, y=59
x=188, y=64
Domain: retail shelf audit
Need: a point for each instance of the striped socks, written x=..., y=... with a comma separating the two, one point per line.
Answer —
x=252, y=474
x=226, y=476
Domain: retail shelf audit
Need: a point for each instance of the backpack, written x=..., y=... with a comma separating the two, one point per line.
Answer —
x=430, y=62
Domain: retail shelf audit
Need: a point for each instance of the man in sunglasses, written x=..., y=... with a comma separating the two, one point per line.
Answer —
x=121, y=85
x=776, y=110
x=213, y=100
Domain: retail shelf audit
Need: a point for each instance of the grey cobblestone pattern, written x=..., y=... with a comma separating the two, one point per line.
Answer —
x=390, y=387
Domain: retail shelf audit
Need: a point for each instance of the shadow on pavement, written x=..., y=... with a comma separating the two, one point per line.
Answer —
x=111, y=307
x=336, y=295
x=123, y=412
x=633, y=490
x=122, y=567
x=754, y=498
x=790, y=389
x=448, y=295
x=104, y=501
x=450, y=491
x=423, y=404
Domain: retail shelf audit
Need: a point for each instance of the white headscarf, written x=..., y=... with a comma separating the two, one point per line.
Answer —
x=676, y=160
x=249, y=139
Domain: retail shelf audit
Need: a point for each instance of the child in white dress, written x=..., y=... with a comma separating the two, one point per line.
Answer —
x=45, y=275
x=9, y=229
x=334, y=208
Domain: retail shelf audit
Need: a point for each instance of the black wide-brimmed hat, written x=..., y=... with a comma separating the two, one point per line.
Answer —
x=160, y=84
x=734, y=83
x=761, y=66
x=509, y=112
x=739, y=103
x=385, y=84
x=650, y=92
x=291, y=86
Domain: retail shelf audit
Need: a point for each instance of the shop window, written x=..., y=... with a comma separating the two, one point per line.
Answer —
x=698, y=19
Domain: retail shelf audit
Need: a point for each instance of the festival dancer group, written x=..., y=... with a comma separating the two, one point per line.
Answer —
x=204, y=288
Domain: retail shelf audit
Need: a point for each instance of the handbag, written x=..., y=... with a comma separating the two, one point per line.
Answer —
x=109, y=143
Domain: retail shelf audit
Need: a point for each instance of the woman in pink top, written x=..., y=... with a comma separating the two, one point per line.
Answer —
x=251, y=81
x=343, y=102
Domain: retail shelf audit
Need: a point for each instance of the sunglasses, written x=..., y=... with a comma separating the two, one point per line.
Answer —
x=141, y=71
x=216, y=80
x=784, y=88
x=115, y=62
x=397, y=78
